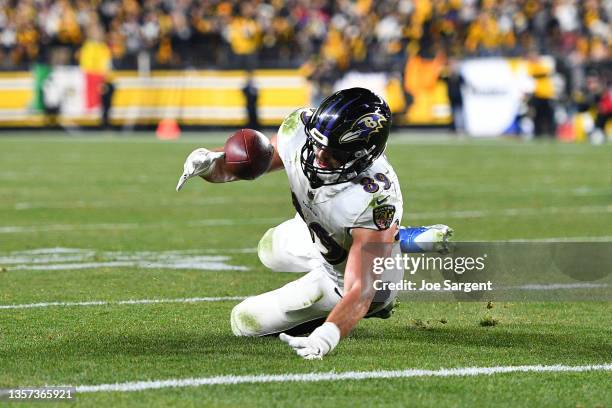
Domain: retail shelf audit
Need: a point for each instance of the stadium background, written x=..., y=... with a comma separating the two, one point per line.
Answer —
x=108, y=276
x=128, y=63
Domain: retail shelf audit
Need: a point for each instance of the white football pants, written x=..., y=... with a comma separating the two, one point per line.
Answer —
x=288, y=247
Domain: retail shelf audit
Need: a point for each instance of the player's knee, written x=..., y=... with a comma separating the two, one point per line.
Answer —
x=244, y=322
x=265, y=249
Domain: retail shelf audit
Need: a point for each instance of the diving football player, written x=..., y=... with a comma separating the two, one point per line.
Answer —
x=348, y=211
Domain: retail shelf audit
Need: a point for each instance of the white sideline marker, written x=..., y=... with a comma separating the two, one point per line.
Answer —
x=231, y=222
x=557, y=286
x=530, y=287
x=212, y=222
x=64, y=259
x=122, y=302
x=333, y=376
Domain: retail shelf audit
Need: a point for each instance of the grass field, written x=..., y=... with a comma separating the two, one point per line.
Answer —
x=96, y=218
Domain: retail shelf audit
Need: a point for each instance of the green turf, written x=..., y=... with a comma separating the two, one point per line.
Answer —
x=116, y=193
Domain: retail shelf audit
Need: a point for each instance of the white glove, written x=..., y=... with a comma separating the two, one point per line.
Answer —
x=199, y=163
x=320, y=342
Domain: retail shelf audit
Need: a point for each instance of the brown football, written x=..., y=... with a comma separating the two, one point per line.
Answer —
x=248, y=154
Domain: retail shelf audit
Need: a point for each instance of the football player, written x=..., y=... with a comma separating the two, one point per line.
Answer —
x=349, y=208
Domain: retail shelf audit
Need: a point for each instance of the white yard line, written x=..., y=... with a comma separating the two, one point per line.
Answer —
x=15, y=229
x=221, y=200
x=602, y=238
x=230, y=222
x=113, y=204
x=528, y=287
x=557, y=286
x=52, y=259
x=334, y=376
x=30, y=255
x=213, y=222
x=511, y=212
x=122, y=302
x=201, y=263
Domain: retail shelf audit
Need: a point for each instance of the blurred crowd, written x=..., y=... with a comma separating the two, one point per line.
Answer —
x=324, y=37
x=344, y=33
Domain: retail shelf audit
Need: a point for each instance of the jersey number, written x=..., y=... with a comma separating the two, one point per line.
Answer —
x=334, y=253
x=370, y=185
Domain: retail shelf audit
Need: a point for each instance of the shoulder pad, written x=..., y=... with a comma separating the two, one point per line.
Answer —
x=291, y=122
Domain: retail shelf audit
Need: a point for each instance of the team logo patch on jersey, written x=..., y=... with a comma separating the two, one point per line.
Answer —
x=366, y=126
x=383, y=216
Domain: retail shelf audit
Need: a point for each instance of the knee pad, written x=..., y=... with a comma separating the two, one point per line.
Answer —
x=244, y=323
x=265, y=249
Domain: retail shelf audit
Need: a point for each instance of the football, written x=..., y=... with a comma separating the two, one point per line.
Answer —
x=248, y=154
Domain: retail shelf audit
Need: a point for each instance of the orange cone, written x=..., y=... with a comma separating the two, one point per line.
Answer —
x=565, y=132
x=168, y=129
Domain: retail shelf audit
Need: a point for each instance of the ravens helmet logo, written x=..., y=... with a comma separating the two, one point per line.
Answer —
x=364, y=127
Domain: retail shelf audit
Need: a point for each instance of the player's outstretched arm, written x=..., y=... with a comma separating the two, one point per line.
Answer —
x=359, y=276
x=358, y=294
x=210, y=165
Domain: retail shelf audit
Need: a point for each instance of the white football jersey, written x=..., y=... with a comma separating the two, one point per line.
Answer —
x=372, y=200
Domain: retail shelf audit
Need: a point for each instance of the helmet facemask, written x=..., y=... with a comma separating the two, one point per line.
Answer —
x=352, y=164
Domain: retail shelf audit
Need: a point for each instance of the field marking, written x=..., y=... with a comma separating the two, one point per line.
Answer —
x=25, y=205
x=529, y=287
x=557, y=286
x=212, y=222
x=601, y=238
x=19, y=206
x=230, y=222
x=512, y=212
x=13, y=229
x=81, y=204
x=200, y=263
x=52, y=259
x=335, y=376
x=122, y=302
